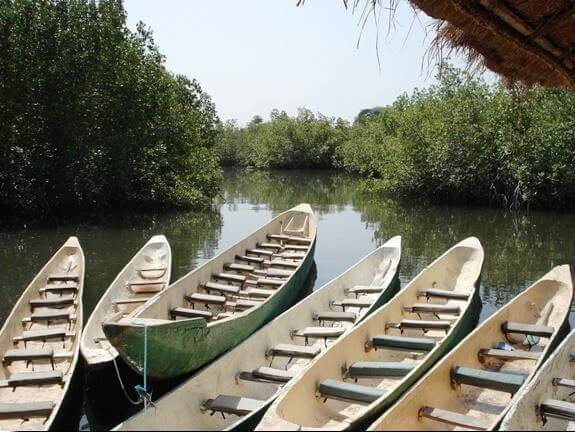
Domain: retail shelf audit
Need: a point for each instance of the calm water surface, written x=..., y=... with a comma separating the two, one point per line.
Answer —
x=519, y=247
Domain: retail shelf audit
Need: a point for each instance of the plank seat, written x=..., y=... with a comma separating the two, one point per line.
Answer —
x=358, y=303
x=190, y=313
x=527, y=329
x=291, y=239
x=278, y=237
x=283, y=263
x=433, y=309
x=564, y=382
x=50, y=315
x=557, y=409
x=26, y=410
x=239, y=267
x=152, y=269
x=453, y=418
x=403, y=343
x=443, y=294
x=237, y=405
x=205, y=299
x=269, y=282
x=274, y=246
x=360, y=289
x=242, y=305
x=370, y=369
x=267, y=375
x=130, y=301
x=256, y=293
x=42, y=335
x=420, y=324
x=229, y=277
x=289, y=350
x=330, y=316
x=143, y=283
x=262, y=252
x=28, y=355
x=249, y=259
x=64, y=277
x=318, y=333
x=33, y=378
x=344, y=391
x=58, y=288
x=52, y=302
x=295, y=247
x=277, y=273
x=499, y=381
x=507, y=355
x=221, y=288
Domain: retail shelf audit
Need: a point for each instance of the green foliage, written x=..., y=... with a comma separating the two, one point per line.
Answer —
x=465, y=141
x=90, y=117
x=303, y=141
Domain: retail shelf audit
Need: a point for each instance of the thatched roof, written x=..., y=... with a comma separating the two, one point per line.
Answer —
x=532, y=41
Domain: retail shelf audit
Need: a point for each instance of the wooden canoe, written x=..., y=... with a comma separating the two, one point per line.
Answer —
x=147, y=273
x=545, y=403
x=40, y=343
x=473, y=386
x=253, y=372
x=222, y=302
x=373, y=364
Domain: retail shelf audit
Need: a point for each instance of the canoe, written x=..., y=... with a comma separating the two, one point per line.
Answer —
x=40, y=343
x=477, y=380
x=147, y=274
x=374, y=363
x=221, y=303
x=256, y=371
x=545, y=403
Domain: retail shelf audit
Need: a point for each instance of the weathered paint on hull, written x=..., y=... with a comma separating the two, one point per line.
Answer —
x=466, y=324
x=181, y=347
x=249, y=422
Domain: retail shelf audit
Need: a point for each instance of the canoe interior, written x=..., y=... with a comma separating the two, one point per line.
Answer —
x=181, y=409
x=153, y=264
x=300, y=406
x=178, y=345
x=479, y=403
x=524, y=414
x=67, y=262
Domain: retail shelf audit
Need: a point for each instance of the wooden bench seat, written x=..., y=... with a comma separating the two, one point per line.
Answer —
x=499, y=381
x=564, y=382
x=256, y=293
x=360, y=289
x=269, y=282
x=287, y=238
x=453, y=418
x=283, y=263
x=190, y=313
x=403, y=343
x=293, y=351
x=443, y=294
x=274, y=246
x=59, y=288
x=33, y=378
x=26, y=410
x=64, y=277
x=43, y=335
x=249, y=259
x=229, y=277
x=28, y=355
x=130, y=301
x=507, y=355
x=369, y=369
x=277, y=273
x=242, y=305
x=53, y=302
x=433, y=309
x=330, y=316
x=49, y=315
x=357, y=303
x=420, y=325
x=527, y=329
x=221, y=288
x=267, y=375
x=558, y=409
x=290, y=255
x=239, y=267
x=318, y=333
x=236, y=405
x=205, y=299
x=259, y=252
x=295, y=247
x=344, y=391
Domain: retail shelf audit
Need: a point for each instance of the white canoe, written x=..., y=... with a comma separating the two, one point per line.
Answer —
x=471, y=387
x=545, y=403
x=40, y=342
x=147, y=273
x=373, y=364
x=251, y=375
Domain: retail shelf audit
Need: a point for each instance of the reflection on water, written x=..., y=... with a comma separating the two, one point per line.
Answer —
x=520, y=247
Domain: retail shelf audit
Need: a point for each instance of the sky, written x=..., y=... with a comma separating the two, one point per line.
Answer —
x=252, y=56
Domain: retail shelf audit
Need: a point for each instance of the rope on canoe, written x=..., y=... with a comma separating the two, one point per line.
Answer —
x=133, y=402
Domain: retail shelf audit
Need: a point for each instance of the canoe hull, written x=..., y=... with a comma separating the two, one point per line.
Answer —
x=179, y=348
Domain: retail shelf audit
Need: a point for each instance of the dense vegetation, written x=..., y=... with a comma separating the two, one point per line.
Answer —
x=90, y=117
x=461, y=140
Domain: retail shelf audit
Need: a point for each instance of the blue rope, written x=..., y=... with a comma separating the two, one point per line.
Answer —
x=143, y=391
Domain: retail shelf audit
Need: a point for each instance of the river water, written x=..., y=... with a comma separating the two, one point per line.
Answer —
x=519, y=247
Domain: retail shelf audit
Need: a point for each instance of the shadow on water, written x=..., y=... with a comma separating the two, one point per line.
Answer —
x=519, y=247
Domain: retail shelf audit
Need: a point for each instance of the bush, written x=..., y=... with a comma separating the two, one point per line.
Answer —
x=90, y=117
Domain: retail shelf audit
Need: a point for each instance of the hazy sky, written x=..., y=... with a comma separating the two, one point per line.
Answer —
x=255, y=55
